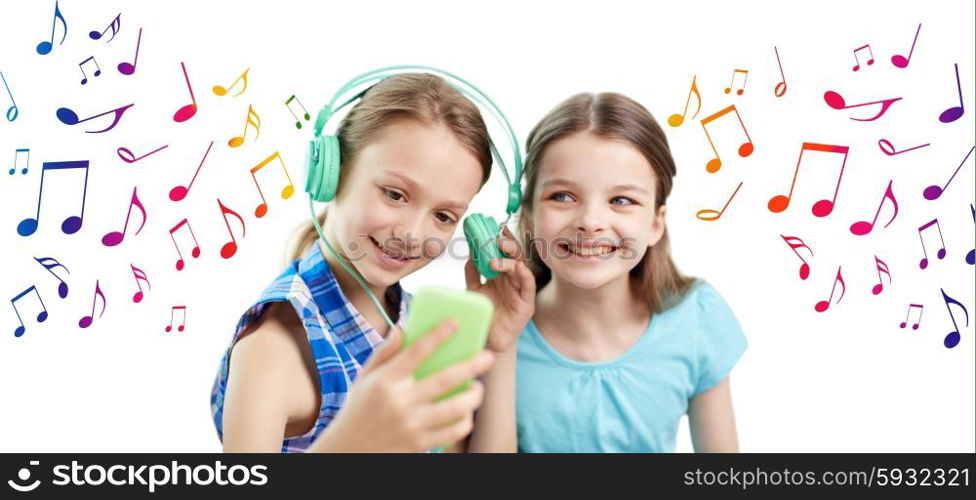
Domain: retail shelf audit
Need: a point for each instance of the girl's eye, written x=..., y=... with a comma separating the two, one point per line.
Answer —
x=623, y=199
x=561, y=196
x=393, y=195
x=445, y=218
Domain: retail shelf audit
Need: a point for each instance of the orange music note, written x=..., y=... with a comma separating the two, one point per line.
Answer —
x=46, y=46
x=823, y=305
x=745, y=72
x=139, y=274
x=222, y=91
x=87, y=320
x=676, y=119
x=864, y=227
x=186, y=112
x=252, y=119
x=172, y=312
x=286, y=193
x=857, y=64
x=941, y=253
x=882, y=268
x=920, y=310
x=952, y=339
x=196, y=246
x=780, y=88
x=821, y=208
x=836, y=101
x=745, y=149
x=708, y=214
x=41, y=316
x=298, y=123
x=230, y=248
x=180, y=192
x=794, y=244
x=116, y=237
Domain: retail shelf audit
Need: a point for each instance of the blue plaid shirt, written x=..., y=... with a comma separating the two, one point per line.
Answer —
x=339, y=336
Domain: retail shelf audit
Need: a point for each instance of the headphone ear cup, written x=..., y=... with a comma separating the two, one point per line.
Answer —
x=481, y=234
x=330, y=167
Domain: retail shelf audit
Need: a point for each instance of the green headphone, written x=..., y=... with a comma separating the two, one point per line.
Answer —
x=323, y=164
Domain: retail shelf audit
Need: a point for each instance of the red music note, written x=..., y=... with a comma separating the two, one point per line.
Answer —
x=920, y=310
x=116, y=237
x=69, y=117
x=221, y=91
x=50, y=264
x=87, y=320
x=836, y=101
x=708, y=214
x=882, y=268
x=71, y=224
x=745, y=149
x=180, y=192
x=864, y=227
x=934, y=192
x=941, y=253
x=128, y=157
x=952, y=339
x=115, y=25
x=889, y=150
x=46, y=46
x=41, y=316
x=823, y=305
x=745, y=77
x=286, y=193
x=186, y=112
x=952, y=114
x=139, y=274
x=794, y=244
x=901, y=61
x=81, y=66
x=298, y=123
x=230, y=248
x=127, y=68
x=821, y=208
x=172, y=312
x=196, y=246
x=252, y=119
x=857, y=64
x=780, y=88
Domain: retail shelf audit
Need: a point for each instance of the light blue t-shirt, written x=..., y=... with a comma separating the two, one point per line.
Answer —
x=632, y=403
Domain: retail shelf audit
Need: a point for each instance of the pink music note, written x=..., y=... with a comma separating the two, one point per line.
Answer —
x=920, y=310
x=901, y=61
x=139, y=274
x=821, y=208
x=823, y=305
x=50, y=264
x=952, y=339
x=941, y=253
x=81, y=66
x=41, y=316
x=882, y=268
x=196, y=246
x=708, y=214
x=794, y=244
x=172, y=312
x=836, y=101
x=745, y=77
x=180, y=192
x=86, y=321
x=115, y=25
x=889, y=150
x=952, y=114
x=864, y=227
x=222, y=91
x=71, y=224
x=127, y=68
x=286, y=193
x=857, y=64
x=934, y=192
x=230, y=248
x=745, y=149
x=252, y=119
x=46, y=46
x=116, y=237
x=298, y=123
x=186, y=112
x=69, y=117
x=676, y=119
x=128, y=157
x=780, y=88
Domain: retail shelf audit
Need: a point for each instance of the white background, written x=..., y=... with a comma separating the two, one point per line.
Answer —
x=848, y=379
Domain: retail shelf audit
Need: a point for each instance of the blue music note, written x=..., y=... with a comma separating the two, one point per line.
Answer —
x=73, y=223
x=952, y=339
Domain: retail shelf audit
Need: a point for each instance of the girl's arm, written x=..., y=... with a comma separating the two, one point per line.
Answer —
x=712, y=421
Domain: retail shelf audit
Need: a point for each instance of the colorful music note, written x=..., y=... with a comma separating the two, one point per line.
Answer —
x=836, y=101
x=45, y=47
x=821, y=208
x=745, y=77
x=128, y=157
x=889, y=150
x=745, y=149
x=180, y=192
x=71, y=224
x=708, y=214
x=50, y=264
x=780, y=88
x=952, y=114
x=127, y=68
x=196, y=246
x=971, y=256
x=171, y=313
x=116, y=237
x=81, y=66
x=285, y=193
x=794, y=244
x=882, y=268
x=12, y=111
x=252, y=119
x=86, y=321
x=953, y=337
x=920, y=311
x=823, y=305
x=186, y=112
x=115, y=25
x=941, y=253
x=901, y=61
x=864, y=227
x=934, y=192
x=221, y=91
x=41, y=316
x=139, y=274
x=230, y=248
x=16, y=156
x=69, y=117
x=298, y=123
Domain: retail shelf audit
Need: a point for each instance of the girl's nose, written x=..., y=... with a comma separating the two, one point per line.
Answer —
x=591, y=220
x=407, y=232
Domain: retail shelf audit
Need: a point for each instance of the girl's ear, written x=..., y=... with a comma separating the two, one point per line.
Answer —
x=657, y=226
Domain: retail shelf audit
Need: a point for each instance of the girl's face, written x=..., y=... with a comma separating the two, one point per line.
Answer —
x=402, y=199
x=593, y=217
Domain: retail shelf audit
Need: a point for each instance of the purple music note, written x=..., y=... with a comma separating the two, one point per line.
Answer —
x=952, y=114
x=50, y=264
x=116, y=237
x=952, y=339
x=129, y=68
x=934, y=192
x=69, y=117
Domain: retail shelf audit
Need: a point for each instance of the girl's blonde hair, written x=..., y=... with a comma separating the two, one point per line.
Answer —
x=423, y=97
x=617, y=117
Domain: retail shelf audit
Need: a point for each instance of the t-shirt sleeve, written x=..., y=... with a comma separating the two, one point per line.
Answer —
x=720, y=340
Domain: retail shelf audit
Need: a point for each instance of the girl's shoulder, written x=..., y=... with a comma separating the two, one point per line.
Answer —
x=701, y=298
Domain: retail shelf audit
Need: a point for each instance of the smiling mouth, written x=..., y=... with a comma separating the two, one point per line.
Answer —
x=588, y=250
x=392, y=254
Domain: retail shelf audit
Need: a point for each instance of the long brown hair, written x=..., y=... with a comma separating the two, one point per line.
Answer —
x=613, y=116
x=424, y=97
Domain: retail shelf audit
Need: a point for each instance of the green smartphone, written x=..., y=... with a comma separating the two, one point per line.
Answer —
x=432, y=305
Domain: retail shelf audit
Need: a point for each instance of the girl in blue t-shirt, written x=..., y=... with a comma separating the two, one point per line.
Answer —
x=621, y=345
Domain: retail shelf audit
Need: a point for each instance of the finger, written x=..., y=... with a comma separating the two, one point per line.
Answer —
x=446, y=412
x=389, y=347
x=411, y=357
x=452, y=376
x=526, y=281
x=503, y=265
x=471, y=277
x=452, y=433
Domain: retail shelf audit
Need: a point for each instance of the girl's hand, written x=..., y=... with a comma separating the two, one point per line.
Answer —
x=388, y=410
x=512, y=293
